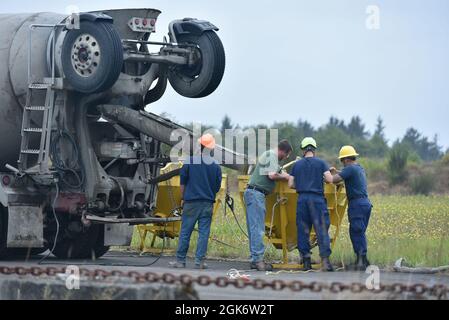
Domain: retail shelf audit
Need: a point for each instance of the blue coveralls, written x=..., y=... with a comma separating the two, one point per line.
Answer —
x=312, y=206
x=359, y=209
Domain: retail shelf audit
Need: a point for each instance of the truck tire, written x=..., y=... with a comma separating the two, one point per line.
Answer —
x=204, y=77
x=92, y=57
x=87, y=245
x=3, y=232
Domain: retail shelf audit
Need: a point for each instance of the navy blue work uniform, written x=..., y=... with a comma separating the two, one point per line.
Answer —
x=359, y=209
x=312, y=206
x=201, y=178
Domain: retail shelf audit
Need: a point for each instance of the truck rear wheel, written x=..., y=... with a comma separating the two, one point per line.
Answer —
x=92, y=57
x=3, y=232
x=203, y=77
x=83, y=245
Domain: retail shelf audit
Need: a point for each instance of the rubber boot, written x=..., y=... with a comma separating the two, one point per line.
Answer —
x=326, y=265
x=307, y=264
x=361, y=263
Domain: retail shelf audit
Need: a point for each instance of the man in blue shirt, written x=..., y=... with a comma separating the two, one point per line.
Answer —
x=359, y=209
x=307, y=178
x=200, y=182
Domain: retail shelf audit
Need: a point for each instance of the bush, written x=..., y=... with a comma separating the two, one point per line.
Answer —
x=423, y=184
x=445, y=159
x=376, y=169
x=397, y=163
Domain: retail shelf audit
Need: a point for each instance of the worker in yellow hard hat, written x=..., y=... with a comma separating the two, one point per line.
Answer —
x=359, y=209
x=200, y=182
x=307, y=178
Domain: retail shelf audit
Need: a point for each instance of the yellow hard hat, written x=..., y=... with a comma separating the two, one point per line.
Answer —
x=347, y=151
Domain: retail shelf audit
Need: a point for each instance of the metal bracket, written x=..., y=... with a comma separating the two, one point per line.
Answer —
x=132, y=221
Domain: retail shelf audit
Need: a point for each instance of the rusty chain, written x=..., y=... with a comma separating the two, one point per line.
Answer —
x=438, y=291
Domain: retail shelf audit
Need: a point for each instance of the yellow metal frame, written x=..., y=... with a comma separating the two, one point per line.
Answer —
x=169, y=198
x=280, y=221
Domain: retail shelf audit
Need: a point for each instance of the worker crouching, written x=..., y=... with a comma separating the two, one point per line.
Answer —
x=307, y=178
x=200, y=182
x=359, y=208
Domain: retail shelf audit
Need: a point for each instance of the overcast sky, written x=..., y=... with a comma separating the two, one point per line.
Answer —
x=291, y=59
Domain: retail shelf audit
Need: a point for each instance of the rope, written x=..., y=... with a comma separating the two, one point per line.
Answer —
x=278, y=202
x=230, y=203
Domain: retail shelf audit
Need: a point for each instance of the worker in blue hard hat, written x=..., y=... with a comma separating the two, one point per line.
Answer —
x=307, y=178
x=359, y=208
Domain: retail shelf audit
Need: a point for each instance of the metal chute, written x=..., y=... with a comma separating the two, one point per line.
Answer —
x=161, y=129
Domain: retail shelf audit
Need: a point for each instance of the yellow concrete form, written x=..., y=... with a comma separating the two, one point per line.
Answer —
x=168, y=202
x=280, y=221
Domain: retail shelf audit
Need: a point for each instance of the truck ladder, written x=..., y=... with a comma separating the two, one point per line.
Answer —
x=30, y=129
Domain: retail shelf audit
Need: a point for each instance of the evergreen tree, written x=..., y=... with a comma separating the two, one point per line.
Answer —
x=225, y=124
x=356, y=128
x=378, y=142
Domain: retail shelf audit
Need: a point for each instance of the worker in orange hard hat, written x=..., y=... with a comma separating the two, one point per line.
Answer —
x=359, y=209
x=200, y=182
x=207, y=141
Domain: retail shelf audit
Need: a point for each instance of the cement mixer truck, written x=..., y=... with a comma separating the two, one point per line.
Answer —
x=78, y=151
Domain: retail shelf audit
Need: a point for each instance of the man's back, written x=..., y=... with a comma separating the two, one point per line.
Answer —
x=308, y=173
x=202, y=179
x=355, y=181
x=266, y=164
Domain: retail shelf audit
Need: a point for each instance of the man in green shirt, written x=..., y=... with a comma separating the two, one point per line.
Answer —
x=261, y=184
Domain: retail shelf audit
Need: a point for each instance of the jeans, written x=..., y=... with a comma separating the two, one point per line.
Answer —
x=312, y=211
x=255, y=221
x=194, y=212
x=359, y=212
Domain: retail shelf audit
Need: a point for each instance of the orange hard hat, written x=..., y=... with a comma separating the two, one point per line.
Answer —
x=207, y=141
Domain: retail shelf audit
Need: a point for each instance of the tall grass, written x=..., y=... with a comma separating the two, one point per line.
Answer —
x=412, y=227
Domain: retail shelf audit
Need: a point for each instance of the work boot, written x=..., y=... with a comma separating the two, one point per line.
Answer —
x=201, y=266
x=361, y=263
x=262, y=266
x=253, y=265
x=307, y=264
x=177, y=265
x=326, y=265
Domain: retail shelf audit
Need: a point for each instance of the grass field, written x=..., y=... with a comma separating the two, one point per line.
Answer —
x=412, y=227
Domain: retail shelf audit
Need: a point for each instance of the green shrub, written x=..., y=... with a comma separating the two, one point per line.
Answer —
x=445, y=159
x=397, y=163
x=376, y=169
x=423, y=184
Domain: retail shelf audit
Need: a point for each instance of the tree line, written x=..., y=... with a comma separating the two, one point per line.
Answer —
x=336, y=133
